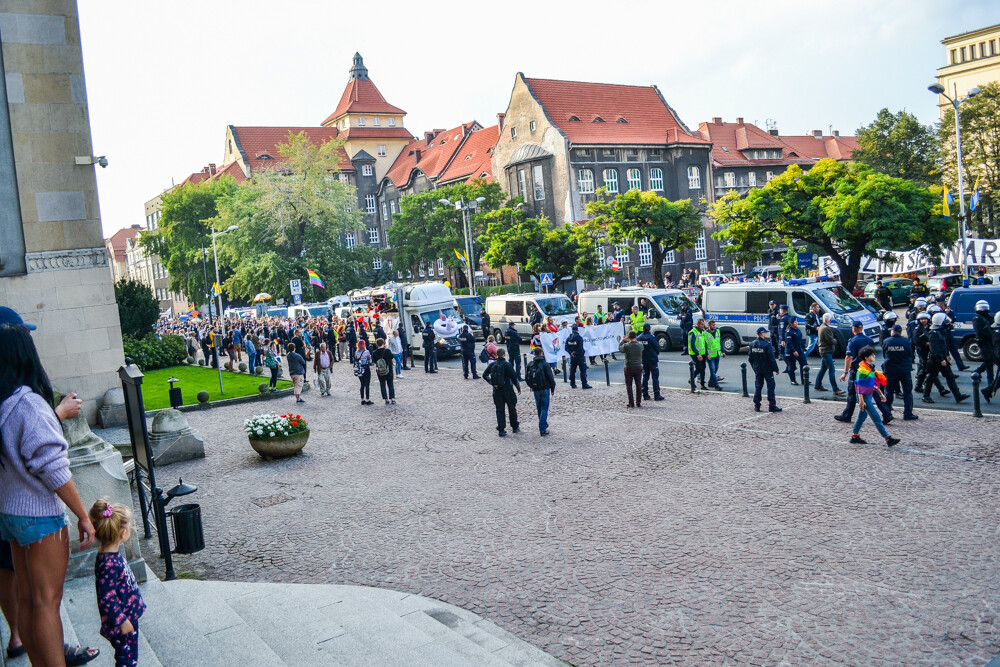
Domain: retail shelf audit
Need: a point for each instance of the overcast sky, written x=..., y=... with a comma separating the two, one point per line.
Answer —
x=165, y=78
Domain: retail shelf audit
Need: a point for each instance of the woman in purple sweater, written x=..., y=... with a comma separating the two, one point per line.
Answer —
x=34, y=485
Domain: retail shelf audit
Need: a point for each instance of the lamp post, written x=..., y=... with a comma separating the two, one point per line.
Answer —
x=215, y=252
x=467, y=208
x=517, y=278
x=938, y=89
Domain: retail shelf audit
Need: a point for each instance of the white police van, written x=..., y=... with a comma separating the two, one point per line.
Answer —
x=740, y=308
x=660, y=307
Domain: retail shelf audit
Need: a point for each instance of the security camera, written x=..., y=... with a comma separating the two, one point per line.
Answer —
x=103, y=161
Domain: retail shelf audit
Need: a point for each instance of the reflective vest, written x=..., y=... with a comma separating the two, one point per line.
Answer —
x=714, y=343
x=697, y=342
x=638, y=321
x=599, y=317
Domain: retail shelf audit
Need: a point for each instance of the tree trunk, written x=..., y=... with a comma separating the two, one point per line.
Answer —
x=848, y=268
x=657, y=263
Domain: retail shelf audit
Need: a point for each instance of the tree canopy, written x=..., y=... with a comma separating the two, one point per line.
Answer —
x=845, y=210
x=898, y=145
x=138, y=309
x=634, y=216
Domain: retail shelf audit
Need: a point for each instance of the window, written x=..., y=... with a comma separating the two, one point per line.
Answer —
x=514, y=308
x=377, y=264
x=421, y=271
x=349, y=241
x=621, y=254
x=574, y=119
x=611, y=180
x=645, y=253
x=532, y=126
x=694, y=178
x=769, y=176
x=385, y=211
x=598, y=119
x=599, y=249
x=369, y=203
x=522, y=184
x=381, y=150
x=343, y=178
x=699, y=247
x=965, y=54
x=801, y=301
x=668, y=257
x=737, y=268
x=376, y=121
x=954, y=59
x=361, y=120
x=634, y=177
x=656, y=179
x=392, y=207
x=513, y=133
x=585, y=181
x=752, y=179
x=366, y=170
x=392, y=122
x=730, y=177
x=538, y=181
x=440, y=266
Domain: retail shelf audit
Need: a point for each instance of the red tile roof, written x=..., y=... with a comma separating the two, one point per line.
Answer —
x=361, y=96
x=434, y=154
x=232, y=169
x=729, y=140
x=259, y=145
x=200, y=176
x=647, y=117
x=475, y=156
x=376, y=133
x=812, y=148
x=117, y=240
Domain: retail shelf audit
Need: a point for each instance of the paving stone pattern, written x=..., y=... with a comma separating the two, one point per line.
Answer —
x=691, y=531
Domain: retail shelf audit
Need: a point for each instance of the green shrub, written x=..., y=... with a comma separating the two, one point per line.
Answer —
x=152, y=353
x=490, y=290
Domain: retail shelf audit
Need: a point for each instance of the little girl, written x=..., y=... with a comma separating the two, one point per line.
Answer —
x=118, y=597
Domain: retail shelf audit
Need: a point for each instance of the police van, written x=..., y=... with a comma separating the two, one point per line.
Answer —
x=740, y=308
x=661, y=308
x=516, y=308
x=962, y=303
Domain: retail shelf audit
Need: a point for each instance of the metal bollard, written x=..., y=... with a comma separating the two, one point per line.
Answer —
x=607, y=372
x=525, y=366
x=743, y=372
x=691, y=366
x=977, y=407
x=565, y=374
x=805, y=384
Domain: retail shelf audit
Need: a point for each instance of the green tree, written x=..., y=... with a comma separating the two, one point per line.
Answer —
x=291, y=218
x=138, y=309
x=426, y=230
x=635, y=216
x=183, y=232
x=845, y=210
x=898, y=145
x=980, y=123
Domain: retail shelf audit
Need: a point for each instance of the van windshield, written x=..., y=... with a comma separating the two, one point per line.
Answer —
x=838, y=300
x=430, y=316
x=671, y=303
x=556, y=306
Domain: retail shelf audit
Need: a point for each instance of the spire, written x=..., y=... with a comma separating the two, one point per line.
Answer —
x=358, y=70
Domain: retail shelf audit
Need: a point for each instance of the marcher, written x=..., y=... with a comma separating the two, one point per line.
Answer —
x=795, y=352
x=632, y=349
x=513, y=340
x=867, y=383
x=430, y=349
x=898, y=353
x=814, y=320
x=404, y=342
x=542, y=382
x=636, y=320
x=650, y=363
x=765, y=367
x=858, y=342
x=468, y=342
x=363, y=371
x=396, y=348
x=992, y=389
x=297, y=371
x=577, y=358
x=982, y=325
x=937, y=359
x=827, y=344
x=697, y=347
x=501, y=376
x=272, y=364
x=118, y=598
x=322, y=363
x=383, y=361
x=713, y=342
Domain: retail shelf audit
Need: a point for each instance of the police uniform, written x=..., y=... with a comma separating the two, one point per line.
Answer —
x=898, y=367
x=793, y=344
x=686, y=318
x=577, y=358
x=937, y=363
x=468, y=343
x=984, y=336
x=430, y=350
x=514, y=348
x=921, y=348
x=650, y=363
x=783, y=321
x=764, y=365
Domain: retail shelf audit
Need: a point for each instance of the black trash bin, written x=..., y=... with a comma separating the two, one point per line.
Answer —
x=176, y=399
x=188, y=535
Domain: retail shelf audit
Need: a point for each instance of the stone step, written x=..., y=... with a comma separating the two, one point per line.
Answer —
x=82, y=624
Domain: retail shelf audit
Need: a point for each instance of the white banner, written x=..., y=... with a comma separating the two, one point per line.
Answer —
x=978, y=252
x=597, y=340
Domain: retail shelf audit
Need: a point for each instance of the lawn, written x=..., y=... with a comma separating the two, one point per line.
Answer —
x=193, y=379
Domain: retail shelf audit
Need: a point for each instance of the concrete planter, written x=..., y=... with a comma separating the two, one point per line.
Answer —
x=280, y=447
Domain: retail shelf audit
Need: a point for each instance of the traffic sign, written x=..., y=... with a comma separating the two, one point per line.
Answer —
x=296, y=286
x=805, y=260
x=546, y=279
x=614, y=265
x=297, y=298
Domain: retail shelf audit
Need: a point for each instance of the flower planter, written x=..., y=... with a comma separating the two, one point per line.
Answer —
x=280, y=446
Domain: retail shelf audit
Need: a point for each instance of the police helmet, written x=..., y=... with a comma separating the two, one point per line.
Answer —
x=921, y=302
x=938, y=320
x=923, y=316
x=933, y=308
x=890, y=316
x=982, y=304
x=761, y=330
x=996, y=320
x=941, y=298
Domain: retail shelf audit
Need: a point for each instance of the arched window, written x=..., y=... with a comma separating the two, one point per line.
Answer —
x=656, y=179
x=585, y=181
x=634, y=177
x=611, y=180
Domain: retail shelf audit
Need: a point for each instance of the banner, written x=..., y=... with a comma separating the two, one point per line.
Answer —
x=978, y=252
x=597, y=340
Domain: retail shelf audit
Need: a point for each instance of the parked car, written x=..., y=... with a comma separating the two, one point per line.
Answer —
x=859, y=288
x=470, y=308
x=900, y=288
x=944, y=284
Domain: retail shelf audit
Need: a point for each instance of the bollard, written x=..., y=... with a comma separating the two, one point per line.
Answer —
x=805, y=383
x=743, y=372
x=565, y=374
x=607, y=372
x=691, y=366
x=525, y=366
x=977, y=407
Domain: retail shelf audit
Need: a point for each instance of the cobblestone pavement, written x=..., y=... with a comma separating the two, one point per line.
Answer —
x=692, y=531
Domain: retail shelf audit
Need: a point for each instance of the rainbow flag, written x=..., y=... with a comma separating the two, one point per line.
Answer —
x=314, y=279
x=190, y=312
x=867, y=379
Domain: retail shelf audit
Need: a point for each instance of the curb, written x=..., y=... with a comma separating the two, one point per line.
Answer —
x=225, y=402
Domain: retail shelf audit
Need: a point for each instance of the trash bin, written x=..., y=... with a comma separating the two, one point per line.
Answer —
x=176, y=400
x=188, y=535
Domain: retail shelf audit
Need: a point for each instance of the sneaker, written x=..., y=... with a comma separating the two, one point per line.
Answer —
x=659, y=398
x=393, y=401
x=387, y=401
x=926, y=399
x=839, y=392
x=502, y=434
x=588, y=386
x=299, y=400
x=543, y=433
x=858, y=440
x=842, y=418
x=887, y=419
x=476, y=377
x=820, y=388
x=892, y=442
x=719, y=378
x=795, y=383
x=907, y=418
x=774, y=409
x=961, y=397
x=517, y=429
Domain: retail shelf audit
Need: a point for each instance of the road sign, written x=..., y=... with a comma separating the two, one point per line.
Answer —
x=546, y=279
x=805, y=260
x=608, y=261
x=297, y=298
x=614, y=265
x=296, y=286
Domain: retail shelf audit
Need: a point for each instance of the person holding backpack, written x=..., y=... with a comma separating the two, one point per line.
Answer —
x=542, y=382
x=383, y=370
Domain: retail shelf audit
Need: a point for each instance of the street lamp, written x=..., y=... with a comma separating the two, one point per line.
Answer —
x=519, y=206
x=938, y=89
x=467, y=207
x=215, y=252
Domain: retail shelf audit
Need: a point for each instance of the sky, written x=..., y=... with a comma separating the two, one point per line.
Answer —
x=164, y=79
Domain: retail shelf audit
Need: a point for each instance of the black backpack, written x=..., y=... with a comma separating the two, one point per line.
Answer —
x=534, y=377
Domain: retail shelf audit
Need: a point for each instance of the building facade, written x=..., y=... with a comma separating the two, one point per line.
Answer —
x=53, y=262
x=115, y=247
x=971, y=59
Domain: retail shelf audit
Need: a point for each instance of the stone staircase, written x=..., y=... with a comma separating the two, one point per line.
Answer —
x=221, y=623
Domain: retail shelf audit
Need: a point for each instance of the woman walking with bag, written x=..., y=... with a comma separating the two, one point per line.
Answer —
x=383, y=359
x=272, y=362
x=363, y=371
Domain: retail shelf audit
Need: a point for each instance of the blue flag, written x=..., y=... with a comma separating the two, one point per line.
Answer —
x=974, y=203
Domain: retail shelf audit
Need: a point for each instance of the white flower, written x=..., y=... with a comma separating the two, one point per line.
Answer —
x=260, y=431
x=271, y=434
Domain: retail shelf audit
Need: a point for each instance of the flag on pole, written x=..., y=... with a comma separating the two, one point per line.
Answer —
x=190, y=311
x=314, y=279
x=974, y=203
x=461, y=258
x=215, y=289
x=948, y=200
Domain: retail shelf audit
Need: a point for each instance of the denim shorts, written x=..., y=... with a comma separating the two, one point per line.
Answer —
x=29, y=529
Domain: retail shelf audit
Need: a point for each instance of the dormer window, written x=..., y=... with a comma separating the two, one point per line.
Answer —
x=361, y=120
x=264, y=156
x=621, y=120
x=376, y=121
x=725, y=150
x=392, y=122
x=468, y=157
x=574, y=119
x=532, y=126
x=598, y=119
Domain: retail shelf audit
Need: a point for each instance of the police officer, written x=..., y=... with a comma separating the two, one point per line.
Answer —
x=468, y=343
x=854, y=346
x=937, y=359
x=948, y=326
x=982, y=325
x=888, y=321
x=911, y=309
x=430, y=349
x=764, y=365
x=783, y=319
x=404, y=342
x=352, y=340
x=898, y=367
x=484, y=319
x=637, y=320
x=883, y=295
x=535, y=316
x=774, y=322
x=577, y=358
x=921, y=347
x=650, y=363
x=992, y=389
x=501, y=376
x=919, y=306
x=697, y=347
x=795, y=351
x=513, y=340
x=617, y=314
x=686, y=318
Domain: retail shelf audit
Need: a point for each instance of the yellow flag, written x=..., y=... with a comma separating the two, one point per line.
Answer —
x=946, y=199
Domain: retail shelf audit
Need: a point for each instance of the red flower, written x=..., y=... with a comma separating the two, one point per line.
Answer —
x=297, y=416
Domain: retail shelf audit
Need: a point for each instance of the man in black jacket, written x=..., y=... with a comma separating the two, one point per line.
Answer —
x=513, y=340
x=545, y=387
x=406, y=343
x=430, y=349
x=937, y=360
x=484, y=318
x=577, y=358
x=352, y=340
x=650, y=363
x=764, y=365
x=500, y=374
x=468, y=343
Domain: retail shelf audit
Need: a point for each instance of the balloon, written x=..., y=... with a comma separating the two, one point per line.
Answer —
x=446, y=328
x=447, y=283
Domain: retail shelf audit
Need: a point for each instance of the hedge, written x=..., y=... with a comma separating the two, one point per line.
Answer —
x=491, y=290
x=151, y=352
